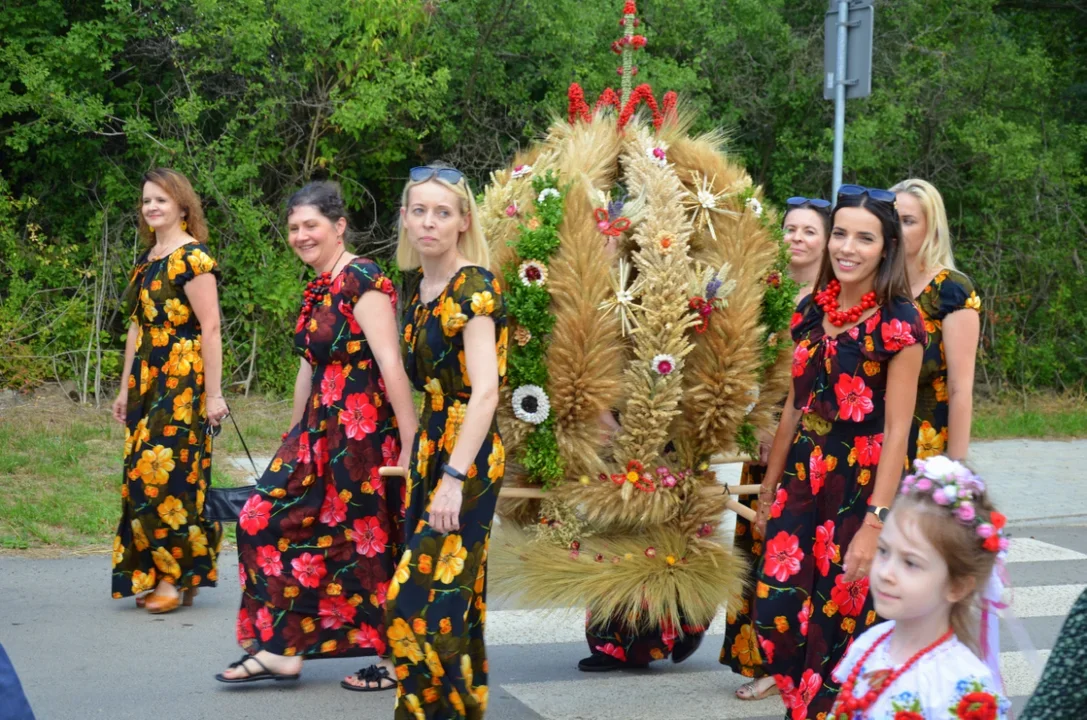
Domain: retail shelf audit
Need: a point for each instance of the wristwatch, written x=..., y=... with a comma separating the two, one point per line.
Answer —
x=879, y=511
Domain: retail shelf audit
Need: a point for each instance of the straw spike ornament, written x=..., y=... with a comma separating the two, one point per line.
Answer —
x=648, y=336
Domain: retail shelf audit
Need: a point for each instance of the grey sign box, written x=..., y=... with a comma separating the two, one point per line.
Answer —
x=858, y=73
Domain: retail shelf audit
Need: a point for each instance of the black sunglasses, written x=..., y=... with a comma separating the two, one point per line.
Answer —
x=875, y=193
x=798, y=200
x=426, y=172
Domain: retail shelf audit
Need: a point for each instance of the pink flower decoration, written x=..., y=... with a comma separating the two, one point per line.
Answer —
x=511, y=209
x=965, y=512
x=940, y=497
x=985, y=530
x=923, y=484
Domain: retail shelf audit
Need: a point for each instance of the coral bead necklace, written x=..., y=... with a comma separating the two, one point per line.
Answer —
x=848, y=705
x=827, y=299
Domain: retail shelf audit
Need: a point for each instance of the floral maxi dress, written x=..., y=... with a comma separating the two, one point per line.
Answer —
x=805, y=614
x=950, y=291
x=437, y=600
x=167, y=458
x=317, y=540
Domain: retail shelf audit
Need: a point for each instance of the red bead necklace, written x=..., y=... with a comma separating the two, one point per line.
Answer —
x=847, y=704
x=828, y=300
x=315, y=292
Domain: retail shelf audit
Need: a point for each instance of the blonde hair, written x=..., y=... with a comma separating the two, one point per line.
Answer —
x=178, y=187
x=961, y=548
x=471, y=244
x=936, y=248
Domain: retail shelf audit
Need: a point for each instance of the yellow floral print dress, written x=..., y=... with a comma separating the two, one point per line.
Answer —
x=949, y=292
x=167, y=458
x=436, y=602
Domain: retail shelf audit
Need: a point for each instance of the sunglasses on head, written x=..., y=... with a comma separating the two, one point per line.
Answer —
x=798, y=200
x=875, y=193
x=426, y=172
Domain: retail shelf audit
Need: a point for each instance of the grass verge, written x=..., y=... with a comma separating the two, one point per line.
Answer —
x=1031, y=416
x=60, y=467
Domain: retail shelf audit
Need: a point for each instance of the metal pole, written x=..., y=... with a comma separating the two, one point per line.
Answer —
x=839, y=94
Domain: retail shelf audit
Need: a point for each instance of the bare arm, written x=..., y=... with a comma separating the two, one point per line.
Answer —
x=120, y=405
x=303, y=382
x=203, y=296
x=375, y=315
x=902, y=372
x=481, y=362
x=961, y=330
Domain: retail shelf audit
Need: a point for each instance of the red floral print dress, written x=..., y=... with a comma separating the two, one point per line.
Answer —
x=805, y=614
x=317, y=540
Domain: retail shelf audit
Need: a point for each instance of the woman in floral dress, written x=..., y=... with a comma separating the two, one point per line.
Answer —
x=950, y=307
x=807, y=229
x=455, y=339
x=172, y=375
x=838, y=453
x=317, y=540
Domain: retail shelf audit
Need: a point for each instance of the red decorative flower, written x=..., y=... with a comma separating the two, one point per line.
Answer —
x=908, y=715
x=897, y=335
x=795, y=320
x=783, y=556
x=320, y=454
x=333, y=509
x=779, y=503
x=868, y=448
x=810, y=683
x=390, y=450
x=611, y=649
x=359, y=416
x=369, y=637
x=668, y=634
x=332, y=383
x=264, y=624
x=269, y=560
x=854, y=398
x=803, y=617
x=630, y=8
x=825, y=549
x=349, y=314
x=767, y=649
x=998, y=520
x=255, y=514
x=977, y=706
x=849, y=597
x=872, y=322
x=308, y=569
x=800, y=360
x=817, y=469
x=370, y=539
x=243, y=627
x=335, y=612
x=774, y=279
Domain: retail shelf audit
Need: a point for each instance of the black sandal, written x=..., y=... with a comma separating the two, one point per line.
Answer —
x=264, y=674
x=371, y=674
x=686, y=647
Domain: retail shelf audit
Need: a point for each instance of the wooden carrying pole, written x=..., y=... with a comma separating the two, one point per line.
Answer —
x=531, y=493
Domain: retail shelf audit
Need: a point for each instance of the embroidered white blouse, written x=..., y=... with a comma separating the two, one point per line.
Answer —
x=949, y=683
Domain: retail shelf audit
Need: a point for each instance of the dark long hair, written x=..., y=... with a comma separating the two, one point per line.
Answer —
x=891, y=278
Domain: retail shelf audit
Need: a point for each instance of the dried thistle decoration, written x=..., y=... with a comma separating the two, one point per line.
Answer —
x=703, y=203
x=623, y=301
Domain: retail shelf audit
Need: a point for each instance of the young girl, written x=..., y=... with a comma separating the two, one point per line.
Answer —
x=936, y=551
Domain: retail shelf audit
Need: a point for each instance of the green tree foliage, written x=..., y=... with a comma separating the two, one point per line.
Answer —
x=251, y=98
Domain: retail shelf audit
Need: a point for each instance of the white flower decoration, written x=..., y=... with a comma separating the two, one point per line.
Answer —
x=940, y=467
x=664, y=365
x=756, y=206
x=546, y=193
x=753, y=393
x=521, y=171
x=530, y=404
x=658, y=155
x=532, y=273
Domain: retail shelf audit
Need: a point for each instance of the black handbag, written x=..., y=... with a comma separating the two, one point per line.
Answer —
x=225, y=504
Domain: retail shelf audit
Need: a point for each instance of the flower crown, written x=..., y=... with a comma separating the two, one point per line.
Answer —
x=952, y=485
